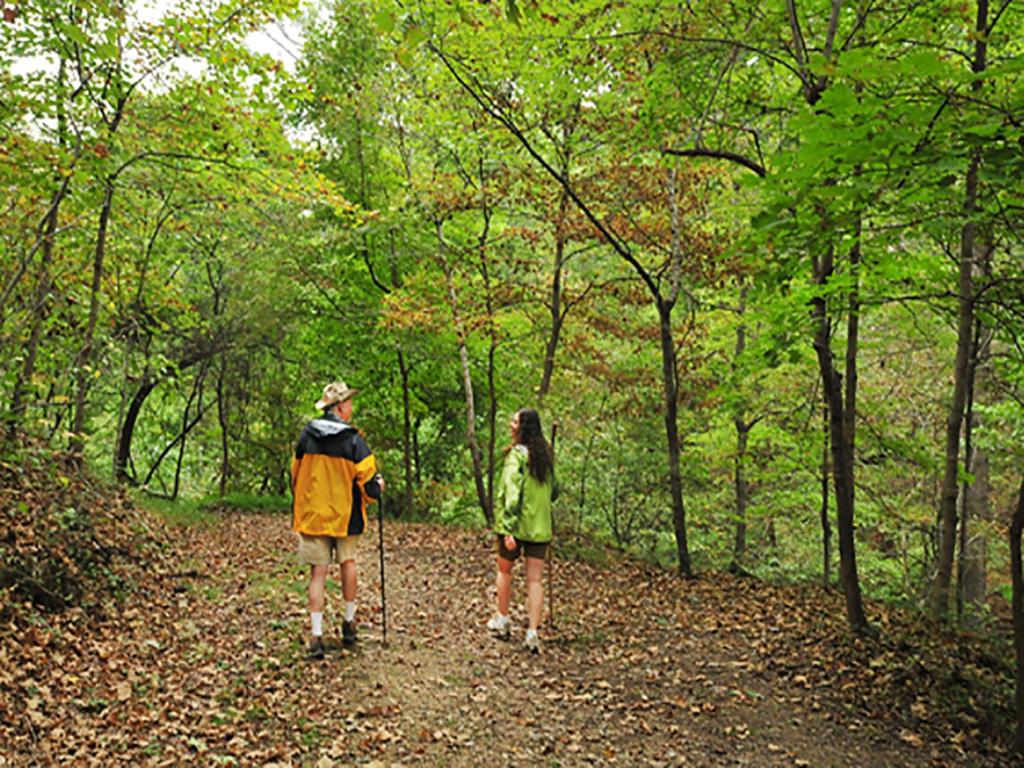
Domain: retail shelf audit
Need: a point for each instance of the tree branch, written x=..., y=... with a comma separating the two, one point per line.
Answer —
x=492, y=110
x=735, y=157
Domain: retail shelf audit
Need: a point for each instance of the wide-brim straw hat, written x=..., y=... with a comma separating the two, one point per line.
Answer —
x=334, y=393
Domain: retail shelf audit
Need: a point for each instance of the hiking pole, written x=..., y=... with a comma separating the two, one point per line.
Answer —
x=380, y=547
x=551, y=545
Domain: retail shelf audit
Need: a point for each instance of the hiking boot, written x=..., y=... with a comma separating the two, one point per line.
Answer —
x=532, y=643
x=315, y=651
x=348, y=632
x=500, y=628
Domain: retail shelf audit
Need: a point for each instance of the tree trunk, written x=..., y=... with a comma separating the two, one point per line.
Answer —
x=41, y=301
x=177, y=438
x=972, y=566
x=492, y=346
x=1017, y=579
x=826, y=527
x=124, y=441
x=44, y=239
x=467, y=381
x=742, y=438
x=404, y=370
x=417, y=461
x=841, y=445
x=556, y=297
x=407, y=452
x=740, y=481
x=40, y=311
x=223, y=423
x=492, y=417
x=186, y=427
x=149, y=383
x=581, y=501
x=939, y=598
x=85, y=355
x=668, y=369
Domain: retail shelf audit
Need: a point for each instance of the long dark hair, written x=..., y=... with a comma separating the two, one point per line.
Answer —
x=530, y=434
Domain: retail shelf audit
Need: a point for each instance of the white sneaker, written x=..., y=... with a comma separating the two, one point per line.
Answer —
x=499, y=625
x=532, y=643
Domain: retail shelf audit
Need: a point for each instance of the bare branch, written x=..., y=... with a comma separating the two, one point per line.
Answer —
x=734, y=157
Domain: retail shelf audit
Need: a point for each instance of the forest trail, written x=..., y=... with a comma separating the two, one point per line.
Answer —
x=206, y=666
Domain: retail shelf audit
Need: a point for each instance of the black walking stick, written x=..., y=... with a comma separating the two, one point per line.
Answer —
x=383, y=594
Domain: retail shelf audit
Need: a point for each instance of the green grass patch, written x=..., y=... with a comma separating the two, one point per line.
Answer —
x=184, y=512
x=247, y=502
x=205, y=511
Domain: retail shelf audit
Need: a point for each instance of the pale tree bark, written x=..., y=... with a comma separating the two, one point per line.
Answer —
x=972, y=566
x=407, y=449
x=664, y=301
x=467, y=378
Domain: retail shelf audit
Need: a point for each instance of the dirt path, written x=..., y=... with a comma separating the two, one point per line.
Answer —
x=208, y=667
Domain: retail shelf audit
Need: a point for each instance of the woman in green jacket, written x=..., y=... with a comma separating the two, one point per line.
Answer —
x=522, y=520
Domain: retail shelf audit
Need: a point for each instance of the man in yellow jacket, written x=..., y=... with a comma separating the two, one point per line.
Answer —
x=333, y=474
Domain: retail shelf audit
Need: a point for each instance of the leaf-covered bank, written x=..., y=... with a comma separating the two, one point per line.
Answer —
x=67, y=541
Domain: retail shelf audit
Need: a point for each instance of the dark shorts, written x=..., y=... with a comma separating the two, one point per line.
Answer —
x=532, y=548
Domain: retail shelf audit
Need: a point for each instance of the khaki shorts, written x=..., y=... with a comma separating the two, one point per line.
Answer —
x=324, y=550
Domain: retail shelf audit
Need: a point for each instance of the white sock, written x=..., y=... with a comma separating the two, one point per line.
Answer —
x=502, y=619
x=317, y=619
x=350, y=611
x=531, y=633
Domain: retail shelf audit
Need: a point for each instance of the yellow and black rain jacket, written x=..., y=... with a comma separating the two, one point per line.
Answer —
x=333, y=473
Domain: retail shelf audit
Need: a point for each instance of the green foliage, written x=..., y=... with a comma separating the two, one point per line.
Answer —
x=365, y=217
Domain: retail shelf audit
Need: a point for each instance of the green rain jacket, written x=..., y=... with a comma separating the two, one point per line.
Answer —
x=522, y=504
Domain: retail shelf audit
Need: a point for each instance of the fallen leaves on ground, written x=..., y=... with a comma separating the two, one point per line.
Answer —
x=203, y=662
